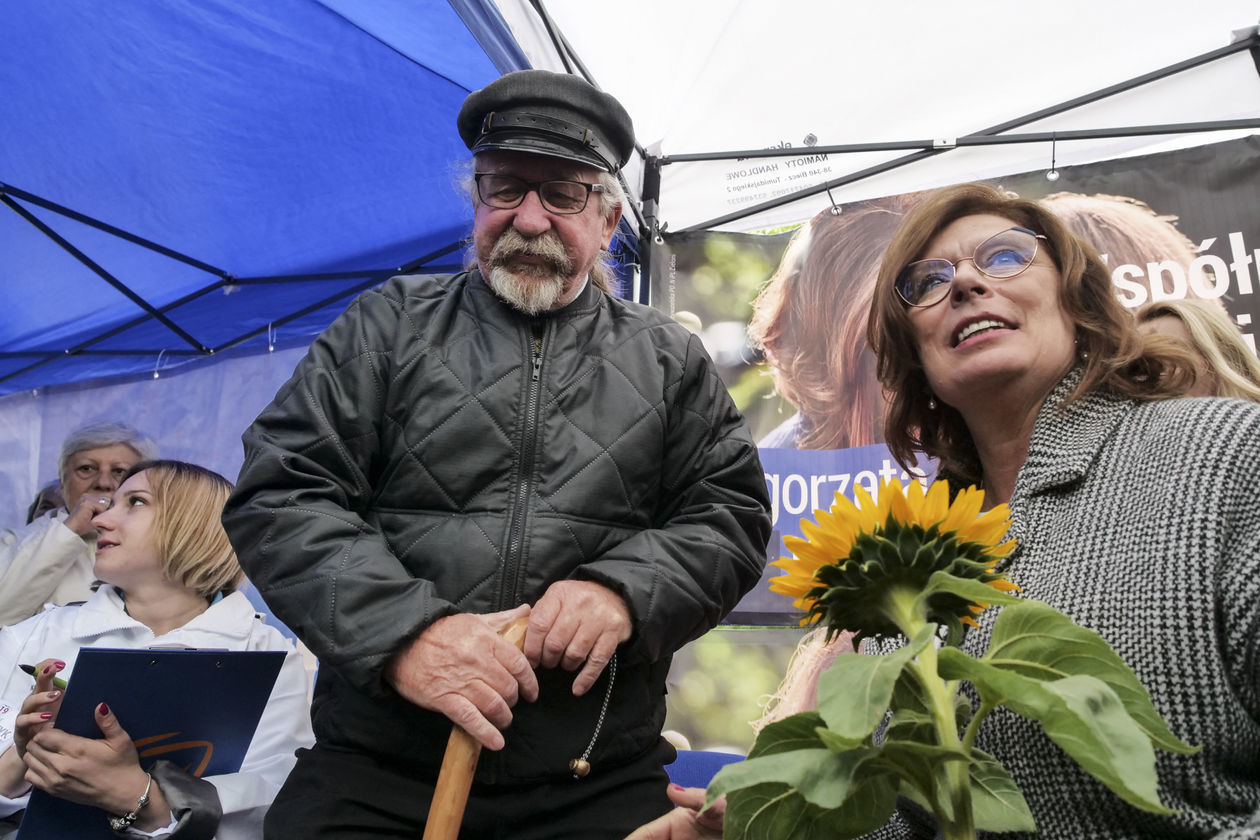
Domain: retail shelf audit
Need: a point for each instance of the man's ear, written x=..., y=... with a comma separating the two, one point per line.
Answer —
x=610, y=226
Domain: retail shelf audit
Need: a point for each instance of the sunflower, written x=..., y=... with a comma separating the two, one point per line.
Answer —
x=859, y=567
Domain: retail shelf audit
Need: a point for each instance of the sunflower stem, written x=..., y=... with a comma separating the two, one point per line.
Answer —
x=973, y=727
x=906, y=609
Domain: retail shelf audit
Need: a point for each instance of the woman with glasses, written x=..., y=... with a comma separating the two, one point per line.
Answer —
x=1009, y=359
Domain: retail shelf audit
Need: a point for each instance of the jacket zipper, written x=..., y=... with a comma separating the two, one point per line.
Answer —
x=508, y=596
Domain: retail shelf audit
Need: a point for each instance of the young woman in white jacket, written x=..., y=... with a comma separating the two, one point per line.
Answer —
x=169, y=579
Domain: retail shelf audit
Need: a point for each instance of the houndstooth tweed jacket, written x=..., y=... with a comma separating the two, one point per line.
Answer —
x=1142, y=521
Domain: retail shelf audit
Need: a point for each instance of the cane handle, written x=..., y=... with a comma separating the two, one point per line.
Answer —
x=450, y=794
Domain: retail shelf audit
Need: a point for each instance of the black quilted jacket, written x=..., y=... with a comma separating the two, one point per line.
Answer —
x=438, y=452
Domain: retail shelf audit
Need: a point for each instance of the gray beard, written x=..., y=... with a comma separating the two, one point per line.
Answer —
x=530, y=293
x=532, y=289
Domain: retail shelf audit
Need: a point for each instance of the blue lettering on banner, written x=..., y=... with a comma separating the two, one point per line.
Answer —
x=801, y=481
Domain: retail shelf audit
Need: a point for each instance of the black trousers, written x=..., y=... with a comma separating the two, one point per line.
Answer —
x=344, y=795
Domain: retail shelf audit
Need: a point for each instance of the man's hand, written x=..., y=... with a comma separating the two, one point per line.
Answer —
x=461, y=666
x=577, y=624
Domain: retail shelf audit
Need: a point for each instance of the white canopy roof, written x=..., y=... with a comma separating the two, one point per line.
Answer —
x=721, y=75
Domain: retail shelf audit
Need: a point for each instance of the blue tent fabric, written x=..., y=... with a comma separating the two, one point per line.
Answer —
x=178, y=177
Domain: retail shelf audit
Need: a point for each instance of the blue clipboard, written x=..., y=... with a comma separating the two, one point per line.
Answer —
x=195, y=708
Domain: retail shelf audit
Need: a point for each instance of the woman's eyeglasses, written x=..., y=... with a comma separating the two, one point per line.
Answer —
x=1001, y=256
x=505, y=192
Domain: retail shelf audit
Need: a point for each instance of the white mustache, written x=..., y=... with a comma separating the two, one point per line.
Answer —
x=547, y=246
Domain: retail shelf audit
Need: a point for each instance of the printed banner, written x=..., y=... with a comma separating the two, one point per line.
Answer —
x=784, y=314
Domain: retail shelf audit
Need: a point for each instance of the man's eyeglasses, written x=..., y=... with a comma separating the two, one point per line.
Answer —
x=1001, y=256
x=504, y=192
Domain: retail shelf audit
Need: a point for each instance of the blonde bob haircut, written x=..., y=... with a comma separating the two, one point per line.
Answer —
x=188, y=503
x=1229, y=359
x=1113, y=355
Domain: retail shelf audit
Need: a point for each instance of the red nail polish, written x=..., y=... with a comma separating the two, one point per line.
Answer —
x=675, y=787
x=59, y=664
x=45, y=716
x=103, y=709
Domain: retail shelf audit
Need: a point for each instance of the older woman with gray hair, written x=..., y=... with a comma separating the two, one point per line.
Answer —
x=50, y=560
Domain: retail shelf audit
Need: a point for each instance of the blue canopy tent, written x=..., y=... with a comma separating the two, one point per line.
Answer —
x=180, y=178
x=188, y=180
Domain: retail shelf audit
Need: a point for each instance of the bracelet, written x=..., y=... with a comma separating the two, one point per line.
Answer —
x=125, y=821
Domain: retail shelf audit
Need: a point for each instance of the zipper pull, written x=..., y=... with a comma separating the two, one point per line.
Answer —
x=537, y=359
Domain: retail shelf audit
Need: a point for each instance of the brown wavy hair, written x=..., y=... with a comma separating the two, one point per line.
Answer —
x=810, y=321
x=1114, y=355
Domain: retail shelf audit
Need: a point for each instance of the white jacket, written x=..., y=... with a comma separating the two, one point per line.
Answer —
x=44, y=562
x=229, y=623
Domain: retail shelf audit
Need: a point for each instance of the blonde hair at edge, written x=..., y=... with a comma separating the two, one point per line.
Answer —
x=194, y=548
x=1213, y=336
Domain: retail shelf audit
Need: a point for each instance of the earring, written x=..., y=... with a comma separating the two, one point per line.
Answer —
x=1084, y=355
x=931, y=403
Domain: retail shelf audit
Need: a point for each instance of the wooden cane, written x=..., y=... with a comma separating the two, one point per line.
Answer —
x=450, y=795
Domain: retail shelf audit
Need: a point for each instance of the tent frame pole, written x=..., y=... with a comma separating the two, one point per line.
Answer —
x=1248, y=39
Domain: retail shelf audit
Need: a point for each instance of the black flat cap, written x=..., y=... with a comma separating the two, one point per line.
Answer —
x=545, y=113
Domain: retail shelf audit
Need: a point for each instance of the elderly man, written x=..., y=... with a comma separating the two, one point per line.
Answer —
x=51, y=559
x=458, y=451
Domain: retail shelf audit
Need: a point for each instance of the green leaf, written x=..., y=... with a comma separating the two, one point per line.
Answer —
x=837, y=743
x=909, y=725
x=1038, y=641
x=962, y=711
x=775, y=812
x=915, y=794
x=922, y=769
x=911, y=720
x=967, y=588
x=996, y=803
x=907, y=753
x=795, y=732
x=854, y=693
x=822, y=777
x=909, y=696
x=1081, y=714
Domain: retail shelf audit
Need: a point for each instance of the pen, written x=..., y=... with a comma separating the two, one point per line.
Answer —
x=58, y=682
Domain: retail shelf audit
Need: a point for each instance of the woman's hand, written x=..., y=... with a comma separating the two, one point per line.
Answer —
x=102, y=772
x=685, y=822
x=39, y=709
